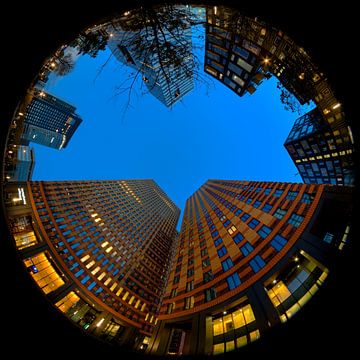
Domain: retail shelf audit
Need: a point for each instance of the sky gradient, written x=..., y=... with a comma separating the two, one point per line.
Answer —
x=211, y=134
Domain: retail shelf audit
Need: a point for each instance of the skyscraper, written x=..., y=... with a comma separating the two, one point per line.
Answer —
x=163, y=57
x=22, y=164
x=99, y=250
x=49, y=121
x=250, y=255
x=230, y=57
x=321, y=150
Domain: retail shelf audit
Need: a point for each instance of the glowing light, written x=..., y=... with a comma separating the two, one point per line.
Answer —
x=296, y=259
x=336, y=106
x=224, y=312
x=266, y=61
x=274, y=281
x=21, y=114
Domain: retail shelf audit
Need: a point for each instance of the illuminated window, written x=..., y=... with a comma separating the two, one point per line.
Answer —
x=279, y=213
x=189, y=302
x=44, y=273
x=67, y=302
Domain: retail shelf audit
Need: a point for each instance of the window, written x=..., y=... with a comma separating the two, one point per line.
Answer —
x=238, y=212
x=291, y=195
x=173, y=293
x=190, y=272
x=295, y=220
x=246, y=249
x=222, y=251
x=256, y=204
x=214, y=234
x=178, y=268
x=189, y=302
x=248, y=201
x=190, y=285
x=232, y=230
x=264, y=231
x=245, y=217
x=210, y=294
x=306, y=198
x=170, y=308
x=191, y=261
x=204, y=252
x=233, y=281
x=254, y=223
x=278, y=242
x=227, y=264
x=267, y=207
x=237, y=238
x=206, y=262
x=267, y=191
x=176, y=279
x=257, y=263
x=278, y=193
x=227, y=223
x=208, y=276
x=279, y=213
x=218, y=241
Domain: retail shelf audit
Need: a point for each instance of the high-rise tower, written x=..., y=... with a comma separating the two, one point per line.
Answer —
x=49, y=121
x=250, y=255
x=100, y=250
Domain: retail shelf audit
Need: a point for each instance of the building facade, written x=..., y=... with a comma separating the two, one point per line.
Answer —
x=250, y=255
x=322, y=154
x=49, y=121
x=163, y=58
x=230, y=57
x=99, y=250
x=22, y=164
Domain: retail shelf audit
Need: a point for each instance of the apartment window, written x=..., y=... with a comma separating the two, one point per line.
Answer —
x=267, y=191
x=264, y=231
x=214, y=234
x=291, y=195
x=278, y=242
x=190, y=272
x=208, y=276
x=245, y=217
x=295, y=220
x=178, y=268
x=189, y=302
x=267, y=207
x=170, y=308
x=190, y=285
x=227, y=264
x=256, y=204
x=204, y=252
x=222, y=251
x=279, y=213
x=248, y=201
x=233, y=281
x=218, y=241
x=306, y=198
x=176, y=279
x=206, y=262
x=191, y=261
x=210, y=294
x=278, y=193
x=173, y=293
x=254, y=223
x=246, y=249
x=226, y=223
x=257, y=263
x=232, y=230
x=238, y=212
x=237, y=238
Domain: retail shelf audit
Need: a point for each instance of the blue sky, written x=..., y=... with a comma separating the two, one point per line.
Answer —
x=211, y=134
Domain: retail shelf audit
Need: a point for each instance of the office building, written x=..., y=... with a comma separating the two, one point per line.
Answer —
x=21, y=165
x=49, y=121
x=99, y=250
x=250, y=255
x=230, y=57
x=322, y=150
x=162, y=58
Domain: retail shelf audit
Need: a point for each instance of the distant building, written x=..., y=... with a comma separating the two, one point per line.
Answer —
x=322, y=153
x=249, y=256
x=230, y=57
x=49, y=121
x=163, y=59
x=23, y=163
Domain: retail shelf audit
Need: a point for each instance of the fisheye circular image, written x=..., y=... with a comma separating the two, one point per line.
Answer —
x=178, y=179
